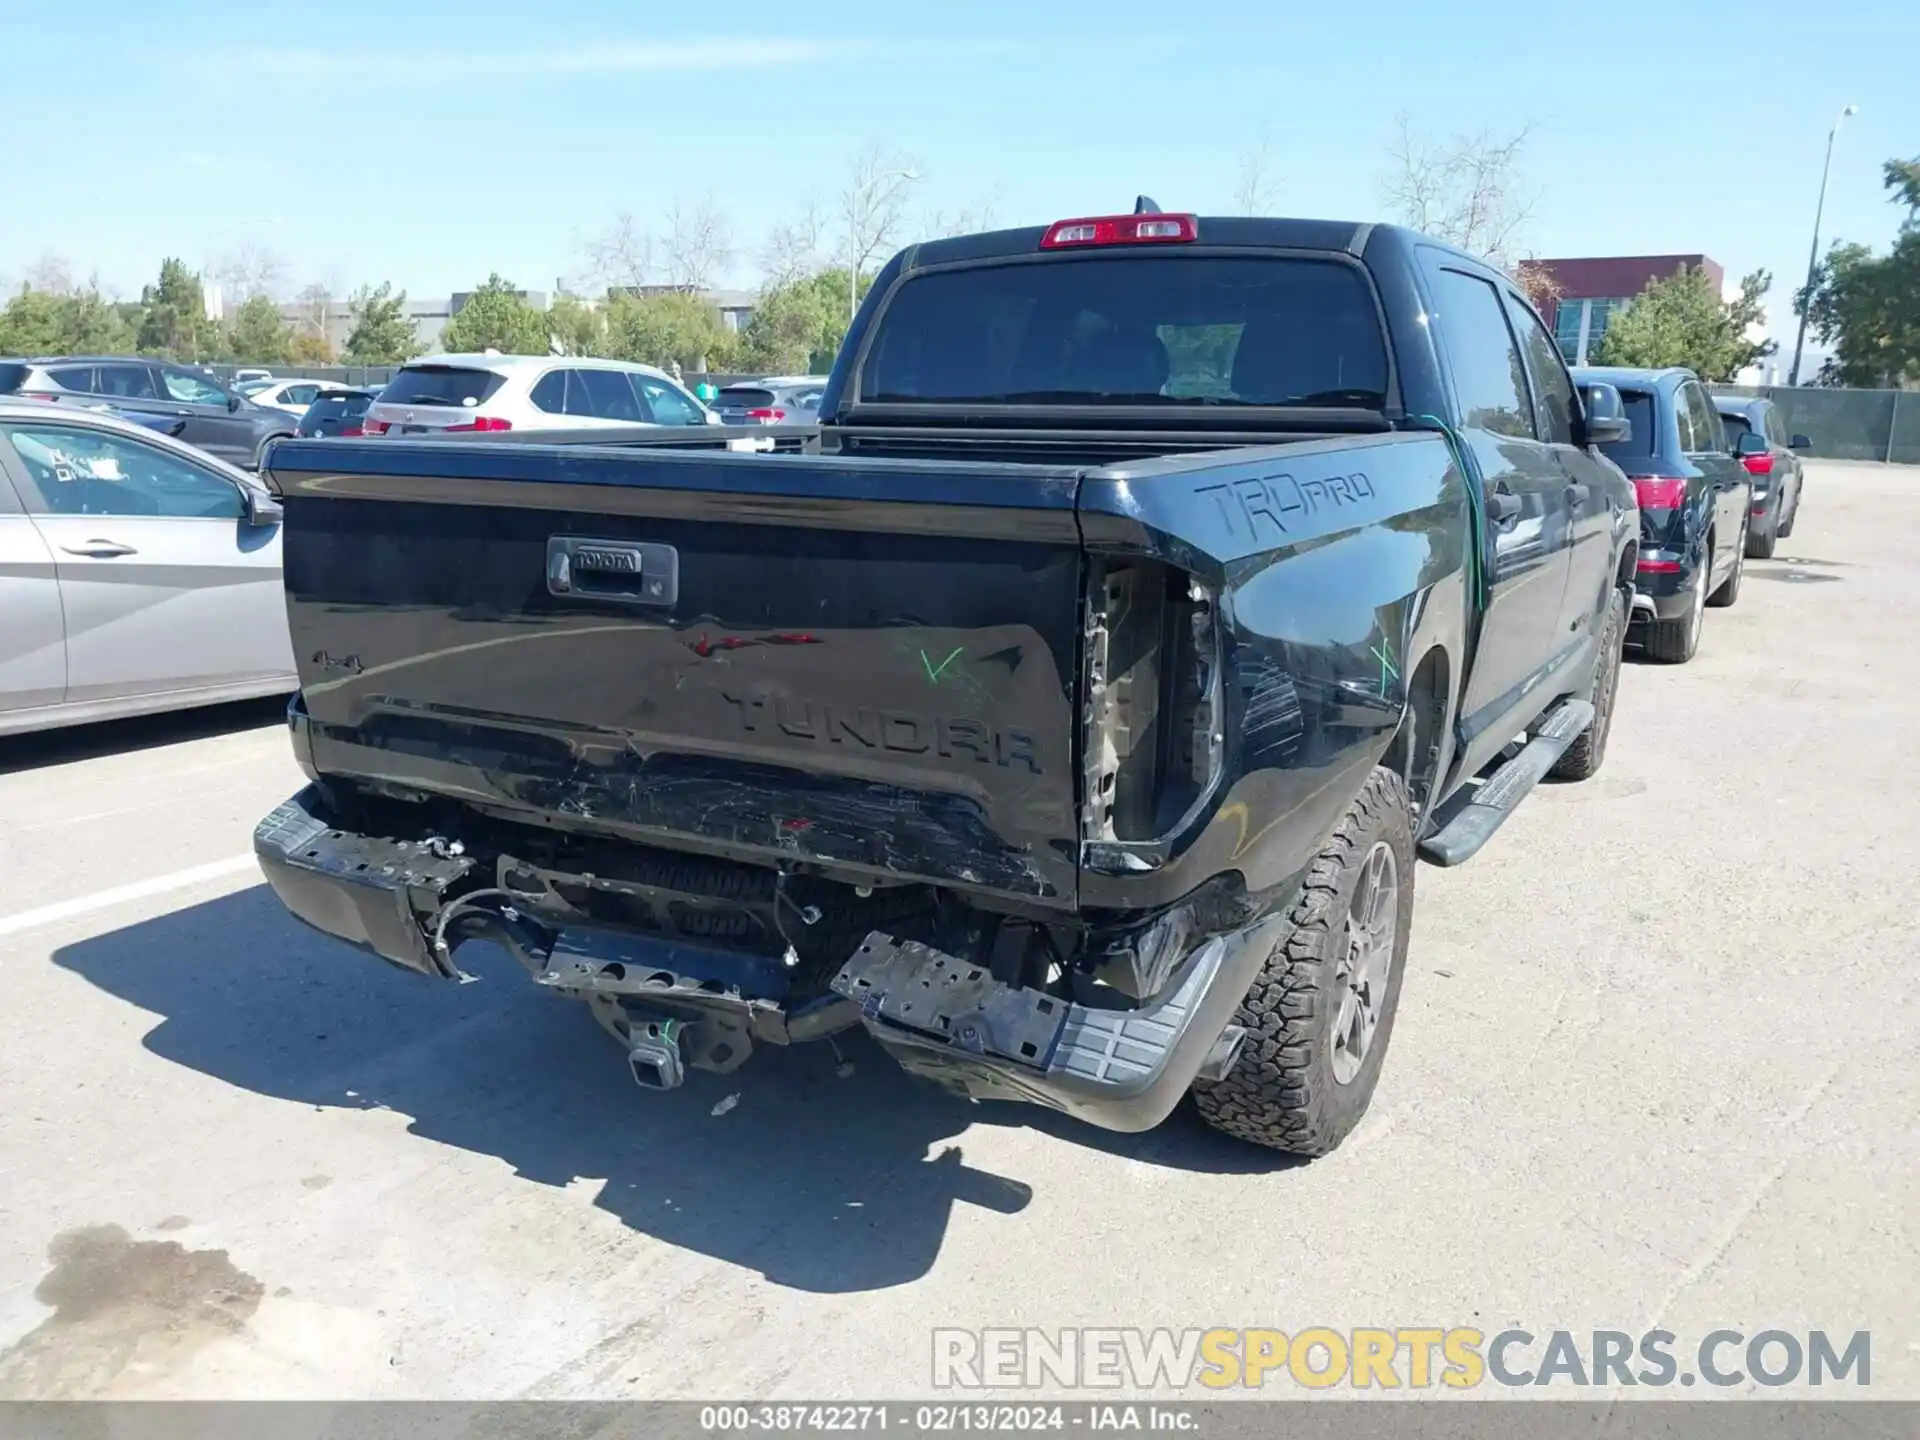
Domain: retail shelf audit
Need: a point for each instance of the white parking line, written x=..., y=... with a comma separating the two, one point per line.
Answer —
x=121, y=894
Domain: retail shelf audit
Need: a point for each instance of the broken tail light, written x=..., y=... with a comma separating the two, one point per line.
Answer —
x=1153, y=741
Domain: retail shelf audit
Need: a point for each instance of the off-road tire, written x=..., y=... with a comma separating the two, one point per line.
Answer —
x=1281, y=1091
x=1760, y=542
x=1729, y=590
x=1583, y=758
x=1676, y=641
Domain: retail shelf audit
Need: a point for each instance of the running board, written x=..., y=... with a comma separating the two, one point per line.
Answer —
x=1473, y=825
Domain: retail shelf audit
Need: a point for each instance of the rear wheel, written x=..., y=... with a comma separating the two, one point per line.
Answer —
x=1760, y=542
x=1792, y=516
x=1320, y=1013
x=1673, y=642
x=1584, y=757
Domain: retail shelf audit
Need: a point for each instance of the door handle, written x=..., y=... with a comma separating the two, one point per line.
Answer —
x=100, y=549
x=1503, y=506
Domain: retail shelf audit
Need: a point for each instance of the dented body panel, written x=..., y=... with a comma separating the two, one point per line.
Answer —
x=1007, y=728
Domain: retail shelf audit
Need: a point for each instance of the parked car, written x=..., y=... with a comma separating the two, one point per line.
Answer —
x=1772, y=458
x=1083, y=779
x=777, y=400
x=219, y=421
x=335, y=412
x=1694, y=498
x=247, y=374
x=293, y=396
x=528, y=392
x=137, y=573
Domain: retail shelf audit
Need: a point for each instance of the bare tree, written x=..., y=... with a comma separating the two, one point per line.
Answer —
x=872, y=210
x=622, y=254
x=315, y=301
x=967, y=220
x=792, y=248
x=52, y=275
x=1468, y=190
x=1254, y=195
x=248, y=270
x=698, y=244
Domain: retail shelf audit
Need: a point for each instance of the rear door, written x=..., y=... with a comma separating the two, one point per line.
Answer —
x=165, y=584
x=213, y=423
x=33, y=655
x=134, y=388
x=666, y=403
x=1589, y=496
x=1526, y=510
x=1732, y=486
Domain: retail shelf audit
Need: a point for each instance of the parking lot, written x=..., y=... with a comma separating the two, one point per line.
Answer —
x=1657, y=1064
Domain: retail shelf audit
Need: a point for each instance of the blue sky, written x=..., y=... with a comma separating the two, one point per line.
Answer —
x=431, y=143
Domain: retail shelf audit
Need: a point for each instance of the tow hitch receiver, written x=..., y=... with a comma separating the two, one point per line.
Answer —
x=653, y=1052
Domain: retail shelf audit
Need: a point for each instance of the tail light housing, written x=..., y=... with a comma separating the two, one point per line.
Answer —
x=373, y=427
x=1120, y=230
x=766, y=416
x=1658, y=567
x=350, y=429
x=1153, y=722
x=1659, y=492
x=484, y=422
x=1758, y=464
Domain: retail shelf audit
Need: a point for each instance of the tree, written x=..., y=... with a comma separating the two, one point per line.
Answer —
x=620, y=255
x=666, y=328
x=246, y=271
x=1254, y=195
x=175, y=322
x=873, y=208
x=497, y=317
x=77, y=323
x=1682, y=320
x=576, y=327
x=259, y=334
x=1467, y=190
x=382, y=334
x=1536, y=282
x=792, y=248
x=797, y=327
x=698, y=244
x=307, y=348
x=1867, y=307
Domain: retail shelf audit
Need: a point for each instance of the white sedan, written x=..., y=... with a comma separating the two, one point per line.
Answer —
x=292, y=396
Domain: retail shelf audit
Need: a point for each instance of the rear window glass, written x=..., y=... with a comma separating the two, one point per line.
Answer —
x=1737, y=425
x=1131, y=330
x=349, y=406
x=12, y=377
x=440, y=385
x=1643, y=442
x=742, y=397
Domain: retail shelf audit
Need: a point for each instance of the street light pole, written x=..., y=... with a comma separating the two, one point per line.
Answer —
x=1813, y=255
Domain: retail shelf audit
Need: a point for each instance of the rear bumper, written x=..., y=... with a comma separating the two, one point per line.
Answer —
x=1663, y=595
x=940, y=1016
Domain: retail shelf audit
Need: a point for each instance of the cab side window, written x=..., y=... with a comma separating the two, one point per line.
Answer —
x=1553, y=402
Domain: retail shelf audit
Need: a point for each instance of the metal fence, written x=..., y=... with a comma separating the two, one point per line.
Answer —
x=1847, y=424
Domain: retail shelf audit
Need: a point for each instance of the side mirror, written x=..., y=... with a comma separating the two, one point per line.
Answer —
x=262, y=508
x=1750, y=444
x=1799, y=442
x=233, y=403
x=1607, y=422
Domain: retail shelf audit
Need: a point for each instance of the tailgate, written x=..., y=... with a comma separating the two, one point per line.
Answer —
x=866, y=665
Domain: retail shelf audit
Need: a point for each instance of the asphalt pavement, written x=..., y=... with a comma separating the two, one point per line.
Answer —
x=1657, y=1065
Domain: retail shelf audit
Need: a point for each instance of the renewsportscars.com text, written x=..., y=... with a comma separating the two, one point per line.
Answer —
x=1415, y=1358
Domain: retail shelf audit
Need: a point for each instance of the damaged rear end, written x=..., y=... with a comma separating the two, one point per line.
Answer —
x=747, y=750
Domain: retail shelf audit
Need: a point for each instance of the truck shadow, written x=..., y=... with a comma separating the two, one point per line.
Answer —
x=818, y=1177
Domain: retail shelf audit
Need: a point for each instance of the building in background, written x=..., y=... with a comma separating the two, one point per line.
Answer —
x=1596, y=288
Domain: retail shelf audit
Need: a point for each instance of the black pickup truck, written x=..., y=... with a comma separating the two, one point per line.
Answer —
x=1069, y=713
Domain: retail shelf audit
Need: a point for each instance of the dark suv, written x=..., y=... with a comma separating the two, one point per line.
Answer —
x=1771, y=456
x=1694, y=499
x=216, y=420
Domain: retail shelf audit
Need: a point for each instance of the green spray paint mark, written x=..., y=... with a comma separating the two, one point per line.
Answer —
x=1383, y=652
x=934, y=672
